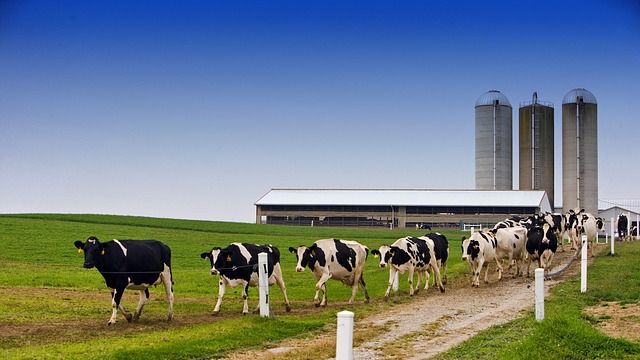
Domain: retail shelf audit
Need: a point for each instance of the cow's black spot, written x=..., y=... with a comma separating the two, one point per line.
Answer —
x=346, y=256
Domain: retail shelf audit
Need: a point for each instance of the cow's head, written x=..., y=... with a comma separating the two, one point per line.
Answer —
x=93, y=251
x=215, y=257
x=306, y=256
x=385, y=253
x=470, y=248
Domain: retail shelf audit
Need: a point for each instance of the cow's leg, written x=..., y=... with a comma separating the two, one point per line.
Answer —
x=221, y=289
x=364, y=289
x=245, y=298
x=316, y=298
x=167, y=281
x=427, y=277
x=144, y=296
x=324, y=295
x=436, y=272
x=444, y=273
x=410, y=277
x=320, y=285
x=354, y=289
x=115, y=304
x=393, y=277
x=498, y=269
x=277, y=273
x=474, y=272
x=419, y=283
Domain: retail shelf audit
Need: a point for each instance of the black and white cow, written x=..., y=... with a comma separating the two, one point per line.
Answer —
x=478, y=250
x=542, y=244
x=410, y=254
x=623, y=222
x=130, y=264
x=511, y=246
x=237, y=264
x=441, y=250
x=572, y=224
x=336, y=259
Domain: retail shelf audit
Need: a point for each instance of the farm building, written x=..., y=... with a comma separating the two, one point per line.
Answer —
x=397, y=208
x=613, y=208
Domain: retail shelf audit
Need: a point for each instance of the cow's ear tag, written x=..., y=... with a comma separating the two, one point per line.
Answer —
x=376, y=256
x=80, y=251
x=229, y=258
x=102, y=252
x=313, y=253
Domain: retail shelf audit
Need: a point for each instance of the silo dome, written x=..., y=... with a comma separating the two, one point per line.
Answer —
x=490, y=97
x=586, y=95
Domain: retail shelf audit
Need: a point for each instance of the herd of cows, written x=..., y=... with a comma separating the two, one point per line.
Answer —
x=138, y=264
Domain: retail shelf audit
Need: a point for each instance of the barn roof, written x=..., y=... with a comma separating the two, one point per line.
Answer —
x=405, y=197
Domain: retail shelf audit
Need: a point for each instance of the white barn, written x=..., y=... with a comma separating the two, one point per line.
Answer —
x=400, y=207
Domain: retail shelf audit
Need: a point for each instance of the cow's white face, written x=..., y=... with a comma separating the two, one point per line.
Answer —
x=464, y=246
x=301, y=253
x=383, y=253
x=214, y=258
x=470, y=248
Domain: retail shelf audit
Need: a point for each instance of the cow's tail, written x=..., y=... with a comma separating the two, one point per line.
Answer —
x=166, y=258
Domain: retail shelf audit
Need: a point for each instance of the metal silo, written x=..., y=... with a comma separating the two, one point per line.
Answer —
x=493, y=142
x=580, y=151
x=536, y=146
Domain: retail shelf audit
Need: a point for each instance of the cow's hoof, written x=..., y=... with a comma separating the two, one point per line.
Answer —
x=215, y=313
x=245, y=313
x=386, y=298
x=442, y=289
x=288, y=308
x=317, y=304
x=109, y=323
x=366, y=300
x=170, y=318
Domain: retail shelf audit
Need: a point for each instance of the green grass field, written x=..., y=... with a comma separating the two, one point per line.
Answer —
x=53, y=308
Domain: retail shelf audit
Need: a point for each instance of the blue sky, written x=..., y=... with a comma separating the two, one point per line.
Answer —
x=195, y=109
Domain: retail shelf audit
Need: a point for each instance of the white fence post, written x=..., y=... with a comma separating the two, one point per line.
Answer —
x=638, y=227
x=263, y=281
x=612, y=238
x=344, y=336
x=539, y=294
x=583, y=268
